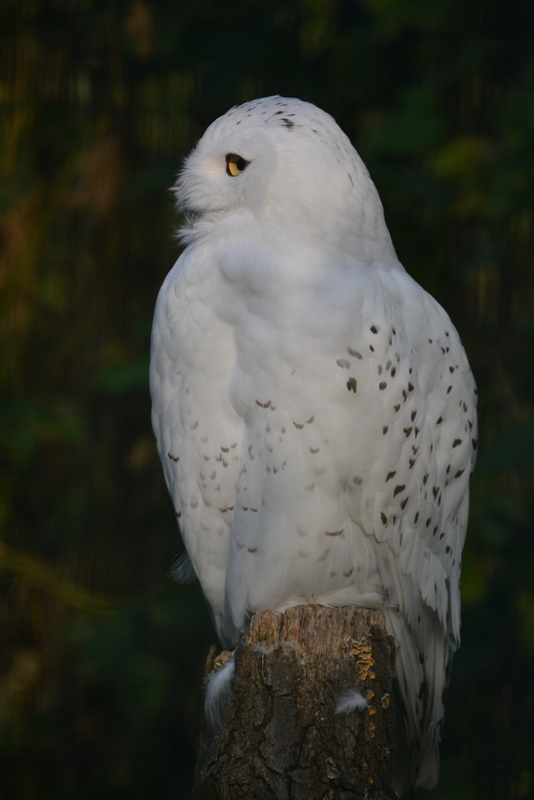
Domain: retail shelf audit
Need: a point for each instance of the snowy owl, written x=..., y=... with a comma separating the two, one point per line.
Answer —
x=313, y=406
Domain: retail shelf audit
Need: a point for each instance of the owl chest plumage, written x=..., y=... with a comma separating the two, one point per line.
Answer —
x=286, y=410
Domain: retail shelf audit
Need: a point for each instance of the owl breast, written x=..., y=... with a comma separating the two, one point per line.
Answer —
x=270, y=408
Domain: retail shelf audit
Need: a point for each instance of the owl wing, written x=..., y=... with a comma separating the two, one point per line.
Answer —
x=415, y=505
x=198, y=433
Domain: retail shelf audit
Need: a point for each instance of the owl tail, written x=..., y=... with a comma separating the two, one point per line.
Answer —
x=421, y=665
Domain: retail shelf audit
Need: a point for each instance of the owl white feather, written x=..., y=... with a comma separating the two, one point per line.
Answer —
x=313, y=406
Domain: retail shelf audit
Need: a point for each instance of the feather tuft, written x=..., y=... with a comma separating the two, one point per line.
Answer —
x=218, y=690
x=350, y=700
x=182, y=570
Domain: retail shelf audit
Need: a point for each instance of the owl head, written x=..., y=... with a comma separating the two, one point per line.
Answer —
x=285, y=168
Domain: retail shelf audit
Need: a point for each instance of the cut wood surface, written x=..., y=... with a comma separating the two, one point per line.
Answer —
x=280, y=736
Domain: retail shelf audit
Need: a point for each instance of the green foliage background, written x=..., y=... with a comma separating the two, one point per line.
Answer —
x=101, y=655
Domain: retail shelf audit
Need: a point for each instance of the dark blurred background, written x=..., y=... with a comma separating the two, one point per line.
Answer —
x=101, y=655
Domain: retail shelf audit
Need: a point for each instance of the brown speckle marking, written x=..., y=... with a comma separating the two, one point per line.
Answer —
x=396, y=408
x=385, y=429
x=298, y=425
x=352, y=385
x=178, y=514
x=390, y=475
x=310, y=420
x=399, y=488
x=335, y=533
x=373, y=329
x=456, y=442
x=354, y=353
x=263, y=405
x=404, y=502
x=314, y=451
x=252, y=549
x=407, y=431
x=383, y=518
x=173, y=458
x=382, y=385
x=349, y=572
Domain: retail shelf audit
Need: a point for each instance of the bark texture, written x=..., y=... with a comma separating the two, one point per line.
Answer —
x=281, y=738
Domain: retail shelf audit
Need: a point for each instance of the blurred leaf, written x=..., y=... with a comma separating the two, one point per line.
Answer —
x=120, y=379
x=25, y=422
x=414, y=128
x=37, y=573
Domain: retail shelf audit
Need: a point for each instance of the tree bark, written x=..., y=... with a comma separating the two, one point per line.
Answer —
x=281, y=738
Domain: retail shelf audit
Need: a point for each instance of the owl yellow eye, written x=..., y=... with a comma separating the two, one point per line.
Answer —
x=235, y=164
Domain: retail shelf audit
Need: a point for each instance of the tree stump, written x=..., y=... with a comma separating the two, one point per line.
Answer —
x=280, y=738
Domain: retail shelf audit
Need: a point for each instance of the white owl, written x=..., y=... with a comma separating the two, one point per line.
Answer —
x=313, y=406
